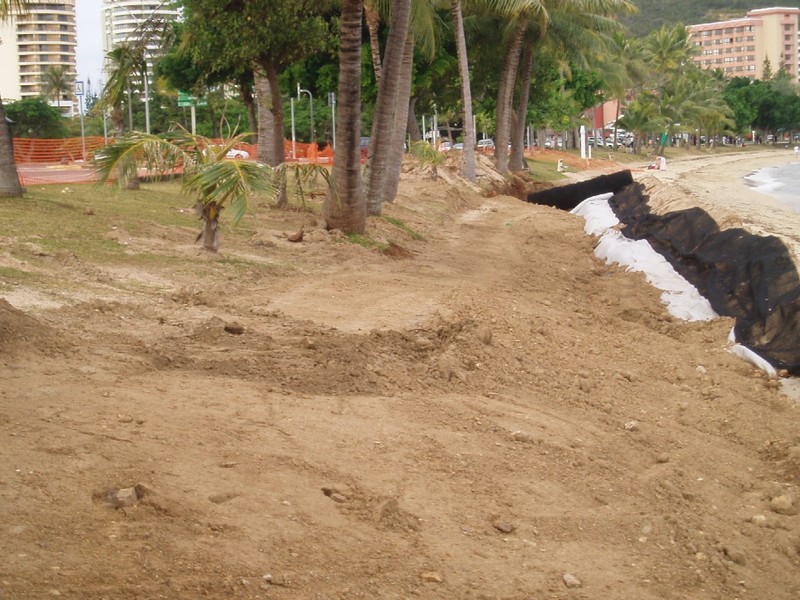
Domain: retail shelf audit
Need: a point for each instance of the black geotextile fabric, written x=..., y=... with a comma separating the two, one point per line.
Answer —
x=567, y=197
x=745, y=276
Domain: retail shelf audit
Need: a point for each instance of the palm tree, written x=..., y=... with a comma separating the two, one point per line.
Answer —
x=468, y=167
x=10, y=185
x=667, y=50
x=55, y=83
x=123, y=63
x=385, y=105
x=642, y=118
x=217, y=184
x=517, y=16
x=345, y=207
x=373, y=18
x=623, y=70
x=574, y=27
x=421, y=36
x=518, y=21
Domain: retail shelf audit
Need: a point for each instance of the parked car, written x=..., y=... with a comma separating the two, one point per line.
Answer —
x=445, y=146
x=233, y=153
x=458, y=146
x=487, y=144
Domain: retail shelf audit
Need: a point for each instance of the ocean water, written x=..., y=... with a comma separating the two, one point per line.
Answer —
x=782, y=183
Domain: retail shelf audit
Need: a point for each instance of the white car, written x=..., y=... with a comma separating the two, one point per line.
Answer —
x=487, y=144
x=237, y=154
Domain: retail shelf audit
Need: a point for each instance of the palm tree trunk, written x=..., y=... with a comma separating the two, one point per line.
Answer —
x=276, y=110
x=118, y=121
x=517, y=160
x=210, y=234
x=10, y=186
x=505, y=94
x=385, y=106
x=345, y=207
x=373, y=22
x=394, y=161
x=130, y=107
x=468, y=168
x=265, y=126
x=412, y=126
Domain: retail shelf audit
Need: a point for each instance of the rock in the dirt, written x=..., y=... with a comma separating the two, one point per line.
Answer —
x=759, y=520
x=234, y=328
x=503, y=527
x=571, y=581
x=523, y=436
x=432, y=576
x=783, y=505
x=334, y=495
x=485, y=336
x=735, y=556
x=662, y=458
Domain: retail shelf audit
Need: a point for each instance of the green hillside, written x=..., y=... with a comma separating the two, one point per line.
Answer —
x=655, y=13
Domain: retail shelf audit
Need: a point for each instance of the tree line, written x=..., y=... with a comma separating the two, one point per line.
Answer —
x=501, y=68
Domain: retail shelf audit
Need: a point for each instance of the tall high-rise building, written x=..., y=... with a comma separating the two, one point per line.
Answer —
x=31, y=43
x=741, y=47
x=125, y=20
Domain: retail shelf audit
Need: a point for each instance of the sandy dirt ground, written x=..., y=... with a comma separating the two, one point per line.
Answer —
x=484, y=411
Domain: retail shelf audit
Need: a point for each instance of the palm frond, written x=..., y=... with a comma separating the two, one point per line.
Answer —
x=230, y=183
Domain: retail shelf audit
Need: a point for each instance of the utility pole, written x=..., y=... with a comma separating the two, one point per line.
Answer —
x=311, y=109
x=79, y=94
x=332, y=103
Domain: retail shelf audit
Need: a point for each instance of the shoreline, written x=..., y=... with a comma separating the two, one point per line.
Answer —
x=717, y=184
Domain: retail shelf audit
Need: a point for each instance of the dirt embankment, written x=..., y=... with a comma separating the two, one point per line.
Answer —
x=494, y=414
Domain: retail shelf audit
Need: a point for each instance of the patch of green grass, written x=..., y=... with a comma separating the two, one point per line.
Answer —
x=81, y=219
x=12, y=275
x=366, y=241
x=542, y=170
x=399, y=224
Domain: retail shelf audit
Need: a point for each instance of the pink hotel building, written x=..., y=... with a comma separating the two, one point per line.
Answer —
x=739, y=46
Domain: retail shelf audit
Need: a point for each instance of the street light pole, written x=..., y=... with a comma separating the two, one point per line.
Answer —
x=79, y=94
x=311, y=108
x=146, y=100
x=332, y=102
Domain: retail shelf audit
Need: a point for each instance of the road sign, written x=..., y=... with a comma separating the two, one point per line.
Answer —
x=186, y=99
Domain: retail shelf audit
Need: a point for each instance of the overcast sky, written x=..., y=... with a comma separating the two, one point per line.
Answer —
x=89, y=23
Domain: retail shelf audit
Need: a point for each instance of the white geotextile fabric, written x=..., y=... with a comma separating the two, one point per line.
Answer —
x=680, y=297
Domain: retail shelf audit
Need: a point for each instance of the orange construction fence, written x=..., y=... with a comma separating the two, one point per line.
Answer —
x=56, y=151
x=28, y=151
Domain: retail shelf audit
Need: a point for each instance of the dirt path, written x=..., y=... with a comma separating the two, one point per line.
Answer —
x=483, y=414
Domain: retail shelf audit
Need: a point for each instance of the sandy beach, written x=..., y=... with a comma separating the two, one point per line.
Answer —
x=716, y=184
